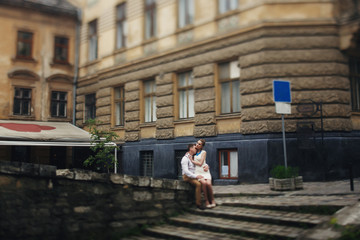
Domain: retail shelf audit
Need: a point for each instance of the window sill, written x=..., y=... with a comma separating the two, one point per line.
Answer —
x=22, y=117
x=59, y=119
x=184, y=29
x=61, y=64
x=226, y=14
x=187, y=120
x=229, y=116
x=150, y=40
x=120, y=50
x=20, y=59
x=355, y=113
x=148, y=124
x=122, y=127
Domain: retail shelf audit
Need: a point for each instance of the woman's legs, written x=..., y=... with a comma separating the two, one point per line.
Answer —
x=205, y=190
x=210, y=191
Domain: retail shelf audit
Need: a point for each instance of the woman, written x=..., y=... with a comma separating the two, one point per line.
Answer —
x=200, y=161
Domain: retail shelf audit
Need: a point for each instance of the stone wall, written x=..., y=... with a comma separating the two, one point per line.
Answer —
x=38, y=202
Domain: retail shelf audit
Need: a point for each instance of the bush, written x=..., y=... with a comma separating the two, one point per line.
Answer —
x=281, y=172
x=103, y=155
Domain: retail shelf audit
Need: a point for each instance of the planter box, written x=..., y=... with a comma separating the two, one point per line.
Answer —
x=286, y=184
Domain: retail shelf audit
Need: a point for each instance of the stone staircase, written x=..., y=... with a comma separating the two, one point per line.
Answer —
x=243, y=217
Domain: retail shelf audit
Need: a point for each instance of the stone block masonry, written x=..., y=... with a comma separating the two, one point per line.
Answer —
x=38, y=202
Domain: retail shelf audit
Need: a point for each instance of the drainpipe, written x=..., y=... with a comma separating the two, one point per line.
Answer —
x=76, y=65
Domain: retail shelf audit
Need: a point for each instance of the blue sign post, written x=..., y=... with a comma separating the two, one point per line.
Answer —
x=282, y=99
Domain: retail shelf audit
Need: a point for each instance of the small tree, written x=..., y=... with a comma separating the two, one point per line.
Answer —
x=103, y=154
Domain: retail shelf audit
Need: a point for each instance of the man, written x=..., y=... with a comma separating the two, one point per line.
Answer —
x=188, y=172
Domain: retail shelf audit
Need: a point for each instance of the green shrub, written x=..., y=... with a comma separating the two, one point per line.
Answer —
x=281, y=172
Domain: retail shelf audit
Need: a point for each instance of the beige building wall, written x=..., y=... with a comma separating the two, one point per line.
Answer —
x=40, y=74
x=296, y=40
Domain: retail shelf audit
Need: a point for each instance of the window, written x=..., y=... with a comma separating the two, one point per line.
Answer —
x=186, y=12
x=150, y=100
x=179, y=154
x=58, y=104
x=229, y=74
x=24, y=45
x=354, y=65
x=119, y=106
x=227, y=5
x=22, y=101
x=228, y=163
x=186, y=95
x=90, y=106
x=121, y=27
x=61, y=50
x=146, y=168
x=150, y=18
x=93, y=41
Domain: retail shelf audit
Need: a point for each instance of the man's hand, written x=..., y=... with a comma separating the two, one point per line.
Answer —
x=206, y=168
x=199, y=176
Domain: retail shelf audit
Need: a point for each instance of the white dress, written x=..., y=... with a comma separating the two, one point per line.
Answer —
x=199, y=170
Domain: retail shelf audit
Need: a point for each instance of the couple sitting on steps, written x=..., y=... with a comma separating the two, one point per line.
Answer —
x=196, y=172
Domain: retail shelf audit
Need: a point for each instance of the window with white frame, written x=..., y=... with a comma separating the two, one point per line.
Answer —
x=354, y=75
x=228, y=163
x=146, y=168
x=119, y=102
x=186, y=95
x=227, y=5
x=185, y=12
x=58, y=104
x=121, y=26
x=150, y=18
x=149, y=100
x=93, y=40
x=229, y=81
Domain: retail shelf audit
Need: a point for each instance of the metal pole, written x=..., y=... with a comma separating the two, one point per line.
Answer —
x=284, y=142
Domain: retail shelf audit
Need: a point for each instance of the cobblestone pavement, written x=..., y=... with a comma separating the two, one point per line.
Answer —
x=310, y=188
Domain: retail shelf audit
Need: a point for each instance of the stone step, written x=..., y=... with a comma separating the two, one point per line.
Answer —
x=316, y=205
x=168, y=231
x=245, y=228
x=304, y=220
x=142, y=237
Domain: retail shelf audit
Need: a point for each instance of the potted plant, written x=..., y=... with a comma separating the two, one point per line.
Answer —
x=285, y=178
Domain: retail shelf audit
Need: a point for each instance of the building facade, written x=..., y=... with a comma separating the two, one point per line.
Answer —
x=37, y=52
x=164, y=73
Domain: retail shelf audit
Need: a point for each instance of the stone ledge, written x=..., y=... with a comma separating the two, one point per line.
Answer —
x=27, y=169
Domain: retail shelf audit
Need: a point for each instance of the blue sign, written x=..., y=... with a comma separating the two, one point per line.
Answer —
x=281, y=91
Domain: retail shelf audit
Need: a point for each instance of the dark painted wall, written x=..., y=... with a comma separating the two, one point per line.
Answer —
x=257, y=154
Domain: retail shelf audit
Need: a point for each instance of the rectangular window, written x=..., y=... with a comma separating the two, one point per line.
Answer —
x=186, y=95
x=229, y=74
x=22, y=101
x=354, y=67
x=61, y=50
x=24, y=45
x=186, y=12
x=119, y=94
x=150, y=18
x=146, y=168
x=121, y=27
x=93, y=40
x=90, y=106
x=150, y=101
x=228, y=163
x=58, y=104
x=227, y=5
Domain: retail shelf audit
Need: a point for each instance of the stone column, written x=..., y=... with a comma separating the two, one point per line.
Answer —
x=205, y=124
x=165, y=106
x=132, y=111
